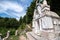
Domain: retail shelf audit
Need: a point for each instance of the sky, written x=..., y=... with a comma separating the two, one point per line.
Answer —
x=14, y=8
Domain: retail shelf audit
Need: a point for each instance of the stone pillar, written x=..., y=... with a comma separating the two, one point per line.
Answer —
x=16, y=32
x=37, y=28
x=40, y=24
x=0, y=36
x=8, y=33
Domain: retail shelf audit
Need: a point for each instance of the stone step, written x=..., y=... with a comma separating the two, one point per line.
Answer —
x=30, y=37
x=33, y=36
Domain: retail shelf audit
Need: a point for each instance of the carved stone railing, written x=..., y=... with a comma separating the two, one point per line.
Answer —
x=7, y=36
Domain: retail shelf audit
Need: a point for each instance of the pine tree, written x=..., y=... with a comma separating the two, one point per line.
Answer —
x=30, y=11
x=55, y=6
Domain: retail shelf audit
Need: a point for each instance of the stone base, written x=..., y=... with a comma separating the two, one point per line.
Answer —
x=42, y=36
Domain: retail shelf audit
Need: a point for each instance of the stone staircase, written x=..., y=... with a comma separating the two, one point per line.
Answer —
x=33, y=36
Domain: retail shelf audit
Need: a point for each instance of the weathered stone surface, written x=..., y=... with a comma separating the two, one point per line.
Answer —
x=33, y=36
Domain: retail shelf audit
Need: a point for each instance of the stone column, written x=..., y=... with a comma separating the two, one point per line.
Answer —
x=36, y=28
x=40, y=24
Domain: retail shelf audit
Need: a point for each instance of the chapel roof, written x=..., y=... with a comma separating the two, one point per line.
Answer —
x=50, y=13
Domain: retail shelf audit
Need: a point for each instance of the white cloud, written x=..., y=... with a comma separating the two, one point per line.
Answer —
x=10, y=5
x=16, y=9
x=17, y=19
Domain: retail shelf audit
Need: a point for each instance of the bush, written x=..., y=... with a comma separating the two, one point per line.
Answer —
x=12, y=31
x=3, y=31
x=13, y=37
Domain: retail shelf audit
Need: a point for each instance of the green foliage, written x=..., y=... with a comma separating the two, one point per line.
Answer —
x=21, y=20
x=24, y=19
x=13, y=37
x=3, y=31
x=12, y=31
x=55, y=6
x=8, y=24
x=30, y=11
x=12, y=23
x=49, y=2
x=22, y=27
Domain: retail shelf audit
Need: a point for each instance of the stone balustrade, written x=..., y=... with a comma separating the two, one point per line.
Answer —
x=7, y=36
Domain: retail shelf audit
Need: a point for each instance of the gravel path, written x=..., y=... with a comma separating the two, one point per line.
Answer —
x=22, y=38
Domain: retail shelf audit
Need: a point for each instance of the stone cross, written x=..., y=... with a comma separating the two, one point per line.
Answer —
x=45, y=2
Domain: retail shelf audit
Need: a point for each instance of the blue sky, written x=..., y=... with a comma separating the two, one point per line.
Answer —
x=13, y=8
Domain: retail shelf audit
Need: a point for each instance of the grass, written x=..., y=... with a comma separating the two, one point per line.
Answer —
x=13, y=37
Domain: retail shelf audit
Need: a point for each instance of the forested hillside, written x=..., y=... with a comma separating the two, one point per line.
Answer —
x=9, y=22
x=6, y=24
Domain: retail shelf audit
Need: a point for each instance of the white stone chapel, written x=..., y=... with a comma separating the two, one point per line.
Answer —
x=45, y=24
